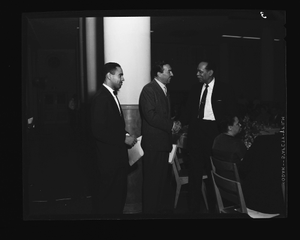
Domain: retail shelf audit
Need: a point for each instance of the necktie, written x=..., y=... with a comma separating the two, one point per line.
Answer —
x=166, y=91
x=202, y=103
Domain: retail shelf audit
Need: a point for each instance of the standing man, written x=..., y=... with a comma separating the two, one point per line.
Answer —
x=157, y=128
x=108, y=127
x=209, y=100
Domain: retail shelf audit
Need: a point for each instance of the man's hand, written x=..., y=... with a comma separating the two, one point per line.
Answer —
x=130, y=140
x=176, y=127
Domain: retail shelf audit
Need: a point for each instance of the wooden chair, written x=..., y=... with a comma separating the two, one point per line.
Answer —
x=231, y=191
x=225, y=169
x=181, y=175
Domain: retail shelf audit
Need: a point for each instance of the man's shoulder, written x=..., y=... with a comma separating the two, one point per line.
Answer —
x=221, y=84
x=102, y=92
x=149, y=86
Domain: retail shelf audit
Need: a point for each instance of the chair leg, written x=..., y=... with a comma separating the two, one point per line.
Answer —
x=177, y=194
x=204, y=194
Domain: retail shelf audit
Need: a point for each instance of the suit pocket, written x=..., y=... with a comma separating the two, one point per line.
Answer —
x=218, y=103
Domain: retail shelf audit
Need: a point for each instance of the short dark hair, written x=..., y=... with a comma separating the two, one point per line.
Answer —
x=225, y=122
x=109, y=67
x=158, y=66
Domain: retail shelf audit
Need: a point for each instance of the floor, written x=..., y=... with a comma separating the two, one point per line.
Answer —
x=56, y=176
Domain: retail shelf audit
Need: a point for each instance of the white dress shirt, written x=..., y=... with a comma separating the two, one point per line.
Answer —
x=112, y=93
x=208, y=111
x=163, y=86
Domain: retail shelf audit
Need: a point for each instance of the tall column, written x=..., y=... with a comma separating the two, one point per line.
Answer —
x=127, y=42
x=267, y=64
x=91, y=51
x=81, y=58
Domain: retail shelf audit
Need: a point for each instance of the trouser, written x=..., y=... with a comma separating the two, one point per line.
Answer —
x=155, y=181
x=199, y=165
x=111, y=196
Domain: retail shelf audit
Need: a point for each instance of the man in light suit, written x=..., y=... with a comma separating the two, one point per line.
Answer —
x=209, y=100
x=108, y=128
x=157, y=128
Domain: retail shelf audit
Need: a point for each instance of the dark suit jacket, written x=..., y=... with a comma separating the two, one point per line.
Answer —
x=223, y=102
x=156, y=118
x=108, y=127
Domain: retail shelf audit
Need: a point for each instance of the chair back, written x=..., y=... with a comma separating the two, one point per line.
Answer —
x=225, y=169
x=229, y=190
x=173, y=160
x=177, y=163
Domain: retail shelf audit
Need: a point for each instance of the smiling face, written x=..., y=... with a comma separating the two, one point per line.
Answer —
x=204, y=75
x=115, y=79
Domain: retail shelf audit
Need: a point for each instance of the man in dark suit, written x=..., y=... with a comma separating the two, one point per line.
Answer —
x=156, y=142
x=108, y=127
x=209, y=100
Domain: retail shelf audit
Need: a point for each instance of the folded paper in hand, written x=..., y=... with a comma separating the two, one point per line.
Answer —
x=171, y=155
x=136, y=152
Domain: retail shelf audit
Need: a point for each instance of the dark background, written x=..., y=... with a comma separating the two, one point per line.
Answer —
x=54, y=157
x=184, y=38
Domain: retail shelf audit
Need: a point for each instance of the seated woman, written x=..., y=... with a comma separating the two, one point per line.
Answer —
x=227, y=146
x=259, y=169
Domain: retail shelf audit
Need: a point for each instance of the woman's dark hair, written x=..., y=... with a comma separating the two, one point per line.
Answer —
x=226, y=121
x=158, y=66
x=109, y=67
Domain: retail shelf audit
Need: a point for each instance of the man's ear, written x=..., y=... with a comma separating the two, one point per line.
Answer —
x=211, y=72
x=229, y=128
x=108, y=75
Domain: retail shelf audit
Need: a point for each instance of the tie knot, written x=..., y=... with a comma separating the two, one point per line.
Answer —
x=166, y=90
x=115, y=92
x=206, y=85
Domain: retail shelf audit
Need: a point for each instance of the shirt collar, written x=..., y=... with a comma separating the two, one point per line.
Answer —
x=109, y=89
x=163, y=86
x=211, y=84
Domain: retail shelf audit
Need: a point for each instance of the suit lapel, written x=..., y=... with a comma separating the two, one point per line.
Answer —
x=169, y=104
x=113, y=102
x=120, y=108
x=216, y=92
x=159, y=89
x=163, y=96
